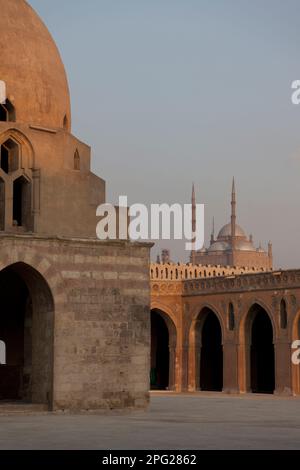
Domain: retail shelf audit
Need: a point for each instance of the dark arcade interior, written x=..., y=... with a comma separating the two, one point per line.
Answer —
x=159, y=374
x=262, y=352
x=211, y=363
x=26, y=330
x=15, y=328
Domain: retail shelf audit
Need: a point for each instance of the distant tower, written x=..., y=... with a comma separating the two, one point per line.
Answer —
x=233, y=213
x=212, y=237
x=158, y=259
x=193, y=252
x=270, y=254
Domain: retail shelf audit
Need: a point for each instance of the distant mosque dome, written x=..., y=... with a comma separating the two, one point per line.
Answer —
x=224, y=240
x=225, y=231
x=244, y=245
x=31, y=68
x=218, y=246
x=232, y=245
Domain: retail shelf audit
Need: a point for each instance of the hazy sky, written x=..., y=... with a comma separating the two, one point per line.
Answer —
x=173, y=91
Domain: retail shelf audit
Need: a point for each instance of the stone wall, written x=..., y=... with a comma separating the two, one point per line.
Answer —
x=101, y=317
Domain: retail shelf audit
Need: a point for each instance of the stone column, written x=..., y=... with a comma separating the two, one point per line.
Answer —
x=230, y=367
x=186, y=369
x=243, y=368
x=172, y=356
x=283, y=367
x=194, y=358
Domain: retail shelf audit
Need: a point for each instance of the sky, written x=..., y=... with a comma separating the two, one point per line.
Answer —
x=170, y=92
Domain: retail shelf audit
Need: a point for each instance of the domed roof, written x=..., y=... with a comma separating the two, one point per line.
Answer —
x=219, y=246
x=31, y=67
x=226, y=231
x=244, y=245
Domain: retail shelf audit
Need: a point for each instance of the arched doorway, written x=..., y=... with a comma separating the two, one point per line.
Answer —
x=26, y=329
x=163, y=346
x=211, y=351
x=262, y=358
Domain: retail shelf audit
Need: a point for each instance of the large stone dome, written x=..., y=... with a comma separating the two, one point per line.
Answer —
x=31, y=67
x=225, y=232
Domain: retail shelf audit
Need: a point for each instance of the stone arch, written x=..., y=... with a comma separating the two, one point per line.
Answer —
x=167, y=309
x=7, y=111
x=210, y=306
x=65, y=123
x=10, y=156
x=163, y=372
x=28, y=335
x=246, y=307
x=76, y=160
x=17, y=161
x=195, y=339
x=256, y=321
x=42, y=266
x=27, y=154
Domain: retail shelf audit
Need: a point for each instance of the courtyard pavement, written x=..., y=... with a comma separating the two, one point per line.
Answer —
x=186, y=421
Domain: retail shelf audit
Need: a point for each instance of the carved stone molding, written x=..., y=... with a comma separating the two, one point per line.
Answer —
x=166, y=288
x=244, y=283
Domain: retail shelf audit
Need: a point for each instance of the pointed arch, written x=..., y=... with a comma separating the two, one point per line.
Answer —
x=242, y=322
x=28, y=335
x=163, y=350
x=27, y=154
x=257, y=335
x=66, y=123
x=76, y=160
x=7, y=112
x=10, y=156
x=206, y=320
x=211, y=307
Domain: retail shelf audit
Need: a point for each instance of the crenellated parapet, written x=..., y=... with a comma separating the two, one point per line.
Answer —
x=182, y=271
x=179, y=279
x=289, y=279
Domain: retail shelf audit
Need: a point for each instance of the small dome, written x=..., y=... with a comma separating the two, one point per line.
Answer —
x=31, y=68
x=244, y=245
x=226, y=231
x=219, y=246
